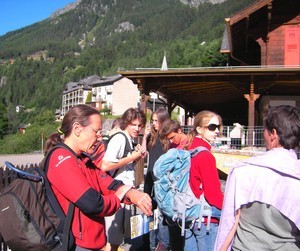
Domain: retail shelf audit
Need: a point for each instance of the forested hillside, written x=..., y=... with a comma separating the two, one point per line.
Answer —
x=98, y=37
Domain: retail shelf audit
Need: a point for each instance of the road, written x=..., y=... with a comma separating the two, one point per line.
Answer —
x=19, y=159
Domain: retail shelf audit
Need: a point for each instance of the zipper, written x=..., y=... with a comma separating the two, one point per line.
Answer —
x=80, y=225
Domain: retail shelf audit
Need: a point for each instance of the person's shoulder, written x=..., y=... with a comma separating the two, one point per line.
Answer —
x=60, y=149
x=58, y=156
x=116, y=141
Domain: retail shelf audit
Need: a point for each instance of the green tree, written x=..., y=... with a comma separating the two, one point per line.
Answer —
x=89, y=98
x=4, y=123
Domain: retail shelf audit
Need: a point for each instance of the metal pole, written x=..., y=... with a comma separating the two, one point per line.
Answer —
x=42, y=143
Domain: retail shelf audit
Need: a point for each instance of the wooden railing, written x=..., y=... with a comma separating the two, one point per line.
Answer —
x=7, y=175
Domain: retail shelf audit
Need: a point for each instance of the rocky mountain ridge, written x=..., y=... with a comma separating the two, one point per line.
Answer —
x=70, y=6
x=191, y=3
x=196, y=3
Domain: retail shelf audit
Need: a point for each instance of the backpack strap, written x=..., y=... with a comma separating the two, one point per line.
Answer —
x=197, y=150
x=204, y=204
x=67, y=237
x=127, y=150
x=65, y=221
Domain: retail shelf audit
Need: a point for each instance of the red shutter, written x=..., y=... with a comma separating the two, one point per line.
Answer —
x=292, y=46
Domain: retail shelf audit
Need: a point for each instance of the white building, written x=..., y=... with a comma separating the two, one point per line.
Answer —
x=114, y=93
x=74, y=94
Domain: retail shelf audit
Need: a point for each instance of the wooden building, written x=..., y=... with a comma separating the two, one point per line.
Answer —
x=267, y=33
x=263, y=46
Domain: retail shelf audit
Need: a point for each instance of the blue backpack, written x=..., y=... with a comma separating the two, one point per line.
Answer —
x=173, y=193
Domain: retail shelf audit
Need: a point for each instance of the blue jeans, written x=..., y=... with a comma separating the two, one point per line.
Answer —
x=161, y=234
x=153, y=239
x=201, y=239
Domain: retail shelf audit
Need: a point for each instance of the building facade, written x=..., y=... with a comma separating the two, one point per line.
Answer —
x=112, y=94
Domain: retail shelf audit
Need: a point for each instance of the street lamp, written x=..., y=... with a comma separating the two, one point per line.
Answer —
x=153, y=97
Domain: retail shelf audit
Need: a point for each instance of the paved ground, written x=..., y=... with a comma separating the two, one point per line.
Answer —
x=19, y=159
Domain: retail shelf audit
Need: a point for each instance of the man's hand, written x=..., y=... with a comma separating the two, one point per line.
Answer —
x=141, y=200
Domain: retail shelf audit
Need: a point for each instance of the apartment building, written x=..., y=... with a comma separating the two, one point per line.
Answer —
x=114, y=94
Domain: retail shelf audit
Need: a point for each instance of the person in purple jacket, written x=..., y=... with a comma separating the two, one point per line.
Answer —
x=261, y=204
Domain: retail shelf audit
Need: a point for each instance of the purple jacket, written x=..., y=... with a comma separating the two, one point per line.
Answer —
x=272, y=178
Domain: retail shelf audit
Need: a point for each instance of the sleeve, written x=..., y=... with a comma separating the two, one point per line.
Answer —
x=207, y=172
x=228, y=212
x=115, y=148
x=108, y=185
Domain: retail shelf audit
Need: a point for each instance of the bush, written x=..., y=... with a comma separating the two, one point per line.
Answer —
x=33, y=139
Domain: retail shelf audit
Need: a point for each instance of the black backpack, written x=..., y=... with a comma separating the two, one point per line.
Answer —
x=31, y=217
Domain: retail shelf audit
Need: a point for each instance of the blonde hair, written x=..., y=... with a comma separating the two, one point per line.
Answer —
x=201, y=120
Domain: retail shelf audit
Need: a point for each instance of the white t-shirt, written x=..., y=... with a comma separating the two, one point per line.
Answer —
x=114, y=152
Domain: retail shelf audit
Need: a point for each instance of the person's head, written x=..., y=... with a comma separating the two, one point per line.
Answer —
x=282, y=127
x=116, y=123
x=207, y=125
x=158, y=117
x=171, y=130
x=80, y=129
x=116, y=126
x=132, y=121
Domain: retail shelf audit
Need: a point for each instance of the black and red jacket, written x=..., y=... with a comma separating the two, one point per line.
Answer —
x=90, y=189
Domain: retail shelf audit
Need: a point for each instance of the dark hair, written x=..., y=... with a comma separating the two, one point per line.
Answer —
x=162, y=115
x=80, y=114
x=170, y=125
x=131, y=114
x=116, y=122
x=285, y=120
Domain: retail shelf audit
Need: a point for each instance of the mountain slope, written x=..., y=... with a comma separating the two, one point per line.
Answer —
x=97, y=37
x=94, y=22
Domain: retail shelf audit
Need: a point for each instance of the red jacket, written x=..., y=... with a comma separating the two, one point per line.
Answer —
x=92, y=191
x=204, y=173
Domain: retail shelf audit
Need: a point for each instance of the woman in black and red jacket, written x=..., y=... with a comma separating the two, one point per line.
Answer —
x=94, y=193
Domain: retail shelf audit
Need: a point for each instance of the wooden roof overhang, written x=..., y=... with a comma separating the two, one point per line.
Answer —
x=255, y=22
x=218, y=89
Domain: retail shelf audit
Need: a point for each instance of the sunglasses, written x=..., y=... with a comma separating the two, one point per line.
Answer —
x=213, y=127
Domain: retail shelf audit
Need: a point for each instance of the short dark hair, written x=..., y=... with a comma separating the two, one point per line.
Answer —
x=131, y=114
x=170, y=125
x=116, y=122
x=285, y=120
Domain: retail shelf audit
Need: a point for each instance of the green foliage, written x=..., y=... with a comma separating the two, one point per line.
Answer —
x=89, y=98
x=190, y=36
x=28, y=142
x=105, y=111
x=44, y=118
x=4, y=123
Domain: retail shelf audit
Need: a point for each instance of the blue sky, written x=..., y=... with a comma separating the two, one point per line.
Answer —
x=16, y=14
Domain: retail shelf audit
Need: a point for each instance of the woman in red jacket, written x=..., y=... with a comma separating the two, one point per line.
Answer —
x=75, y=179
x=204, y=178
